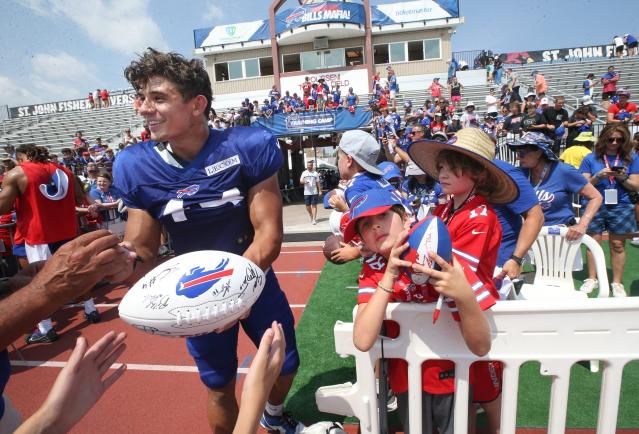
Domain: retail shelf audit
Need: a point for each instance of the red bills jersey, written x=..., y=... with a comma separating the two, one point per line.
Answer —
x=438, y=376
x=45, y=211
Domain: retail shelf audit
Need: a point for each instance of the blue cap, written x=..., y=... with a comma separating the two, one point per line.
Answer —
x=366, y=204
x=390, y=170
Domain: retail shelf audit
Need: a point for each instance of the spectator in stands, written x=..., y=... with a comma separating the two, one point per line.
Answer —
x=490, y=72
x=489, y=126
x=609, y=81
x=512, y=123
x=393, y=86
x=79, y=141
x=631, y=44
x=421, y=190
x=469, y=118
x=84, y=158
x=532, y=121
x=91, y=178
x=454, y=126
x=589, y=107
x=613, y=168
x=623, y=111
x=499, y=70
x=619, y=46
x=556, y=120
x=109, y=156
x=512, y=81
x=128, y=138
x=145, y=135
x=555, y=183
x=97, y=97
x=578, y=123
x=307, y=87
x=104, y=96
x=541, y=87
x=435, y=89
x=68, y=160
x=491, y=101
x=438, y=125
x=581, y=146
x=91, y=100
x=108, y=201
x=455, y=89
x=96, y=153
x=352, y=100
x=274, y=94
x=452, y=69
x=589, y=85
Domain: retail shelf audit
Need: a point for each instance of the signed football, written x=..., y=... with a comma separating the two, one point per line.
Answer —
x=193, y=294
x=428, y=235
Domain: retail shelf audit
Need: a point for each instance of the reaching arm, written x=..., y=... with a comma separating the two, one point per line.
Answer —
x=11, y=187
x=265, y=210
x=533, y=221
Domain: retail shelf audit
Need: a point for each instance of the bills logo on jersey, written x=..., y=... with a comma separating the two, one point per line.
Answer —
x=188, y=191
x=57, y=188
x=199, y=280
x=428, y=235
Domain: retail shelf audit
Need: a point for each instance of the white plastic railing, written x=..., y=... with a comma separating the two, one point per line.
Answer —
x=557, y=334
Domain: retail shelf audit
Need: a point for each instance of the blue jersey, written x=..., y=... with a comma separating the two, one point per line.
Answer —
x=397, y=121
x=425, y=193
x=337, y=97
x=392, y=83
x=351, y=99
x=364, y=181
x=593, y=164
x=555, y=193
x=204, y=204
x=509, y=215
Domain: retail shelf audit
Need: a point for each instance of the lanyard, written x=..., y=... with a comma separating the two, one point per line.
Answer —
x=607, y=163
x=541, y=178
x=450, y=211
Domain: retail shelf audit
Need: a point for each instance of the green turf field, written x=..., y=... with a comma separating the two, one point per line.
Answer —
x=332, y=301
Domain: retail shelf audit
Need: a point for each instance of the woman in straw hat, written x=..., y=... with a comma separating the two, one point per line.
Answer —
x=465, y=170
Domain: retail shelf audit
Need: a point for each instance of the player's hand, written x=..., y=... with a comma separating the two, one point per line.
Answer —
x=81, y=263
x=338, y=202
x=511, y=269
x=395, y=263
x=82, y=381
x=344, y=254
x=449, y=280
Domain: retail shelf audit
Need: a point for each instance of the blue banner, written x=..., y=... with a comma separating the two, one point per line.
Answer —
x=289, y=124
x=315, y=13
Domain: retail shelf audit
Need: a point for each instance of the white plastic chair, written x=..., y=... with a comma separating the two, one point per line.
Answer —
x=554, y=257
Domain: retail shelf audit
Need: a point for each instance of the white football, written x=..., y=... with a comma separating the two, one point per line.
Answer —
x=193, y=294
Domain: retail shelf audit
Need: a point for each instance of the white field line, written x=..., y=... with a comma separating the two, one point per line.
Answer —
x=129, y=366
x=70, y=306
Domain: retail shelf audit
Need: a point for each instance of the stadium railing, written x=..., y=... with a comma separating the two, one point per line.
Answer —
x=557, y=335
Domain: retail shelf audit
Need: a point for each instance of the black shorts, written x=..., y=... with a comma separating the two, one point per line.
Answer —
x=310, y=199
x=607, y=95
x=633, y=44
x=619, y=48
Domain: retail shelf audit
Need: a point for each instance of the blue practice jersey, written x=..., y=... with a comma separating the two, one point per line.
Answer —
x=204, y=204
x=510, y=214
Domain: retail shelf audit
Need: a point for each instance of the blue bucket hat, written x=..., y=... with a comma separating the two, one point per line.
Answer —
x=390, y=170
x=538, y=140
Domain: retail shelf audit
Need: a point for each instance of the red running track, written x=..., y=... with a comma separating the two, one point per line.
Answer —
x=161, y=391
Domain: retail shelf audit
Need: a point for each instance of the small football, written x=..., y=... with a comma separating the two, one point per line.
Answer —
x=193, y=294
x=331, y=243
x=428, y=235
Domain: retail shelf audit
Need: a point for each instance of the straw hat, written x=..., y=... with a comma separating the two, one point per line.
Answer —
x=475, y=144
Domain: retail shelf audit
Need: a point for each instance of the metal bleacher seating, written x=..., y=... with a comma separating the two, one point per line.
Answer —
x=56, y=131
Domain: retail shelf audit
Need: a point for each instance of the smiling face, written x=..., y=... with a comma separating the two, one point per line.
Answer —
x=168, y=115
x=379, y=232
x=103, y=183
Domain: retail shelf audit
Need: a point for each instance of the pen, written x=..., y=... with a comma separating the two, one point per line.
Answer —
x=438, y=308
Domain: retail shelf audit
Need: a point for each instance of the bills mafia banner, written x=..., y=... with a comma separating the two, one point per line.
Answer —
x=116, y=98
x=326, y=12
x=574, y=53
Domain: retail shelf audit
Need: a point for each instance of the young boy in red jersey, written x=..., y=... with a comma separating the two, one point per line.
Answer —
x=465, y=171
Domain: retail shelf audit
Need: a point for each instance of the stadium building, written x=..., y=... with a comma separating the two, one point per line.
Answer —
x=343, y=42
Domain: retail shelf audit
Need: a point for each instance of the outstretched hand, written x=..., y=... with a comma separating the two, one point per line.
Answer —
x=81, y=383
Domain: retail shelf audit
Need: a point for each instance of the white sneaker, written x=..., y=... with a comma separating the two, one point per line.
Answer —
x=589, y=285
x=314, y=222
x=635, y=241
x=618, y=290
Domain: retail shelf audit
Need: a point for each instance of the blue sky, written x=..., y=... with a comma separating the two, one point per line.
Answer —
x=61, y=49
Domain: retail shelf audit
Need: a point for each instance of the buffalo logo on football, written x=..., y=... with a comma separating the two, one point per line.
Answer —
x=199, y=280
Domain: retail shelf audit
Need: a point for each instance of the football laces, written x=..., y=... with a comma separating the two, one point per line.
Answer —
x=195, y=315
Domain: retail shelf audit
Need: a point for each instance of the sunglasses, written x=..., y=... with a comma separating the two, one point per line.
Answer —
x=615, y=140
x=523, y=152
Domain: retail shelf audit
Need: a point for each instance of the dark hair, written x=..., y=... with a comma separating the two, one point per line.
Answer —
x=189, y=76
x=34, y=153
x=105, y=174
x=626, y=146
x=485, y=185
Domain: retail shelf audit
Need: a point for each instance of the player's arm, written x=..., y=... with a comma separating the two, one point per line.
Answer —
x=11, y=189
x=265, y=212
x=533, y=221
x=143, y=232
